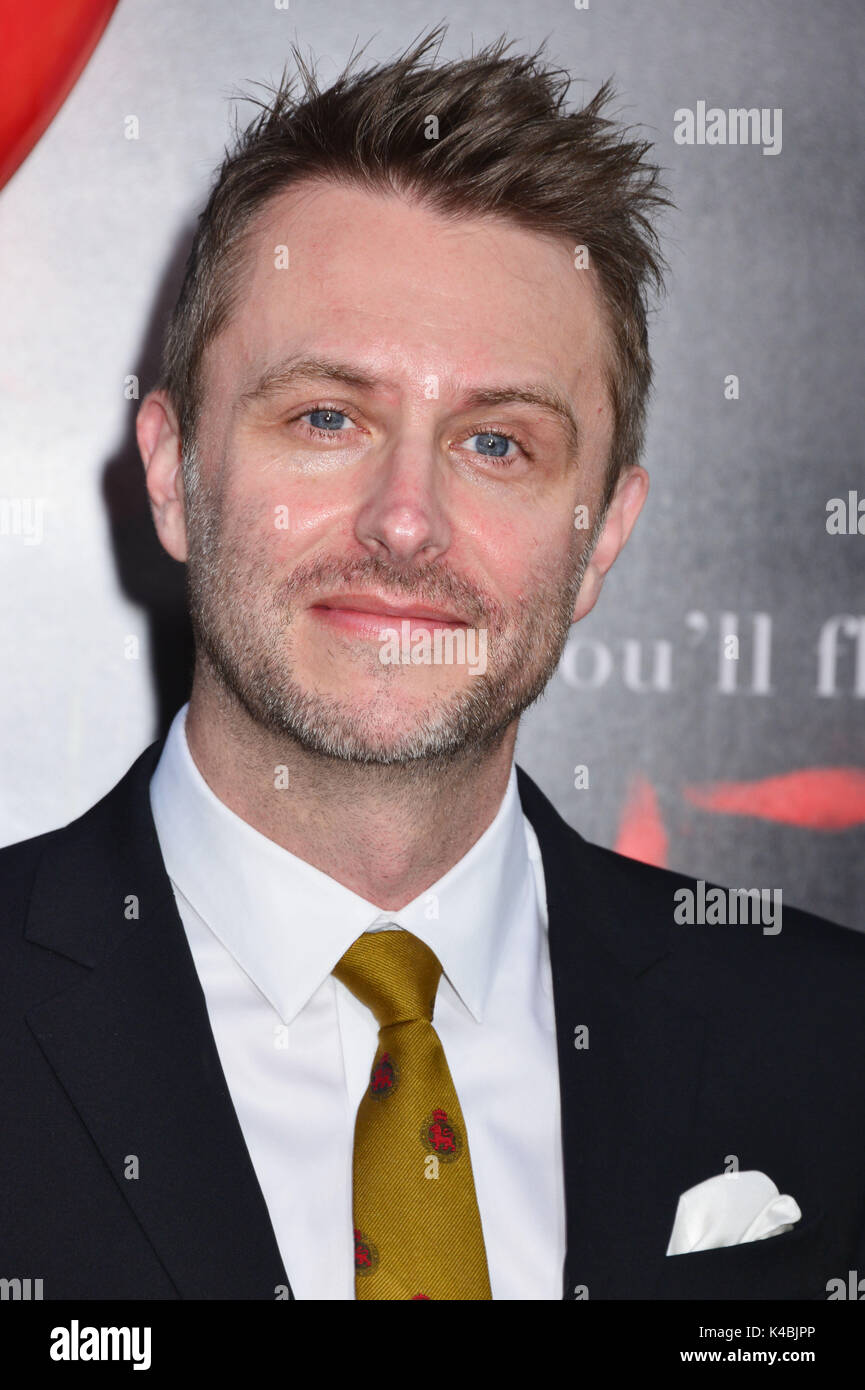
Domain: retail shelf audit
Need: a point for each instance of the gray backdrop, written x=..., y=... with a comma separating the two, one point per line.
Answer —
x=766, y=257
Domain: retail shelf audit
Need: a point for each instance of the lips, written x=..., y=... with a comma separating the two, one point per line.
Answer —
x=389, y=608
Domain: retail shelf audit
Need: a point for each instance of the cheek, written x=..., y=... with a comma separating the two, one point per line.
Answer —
x=249, y=523
x=304, y=510
x=521, y=555
x=267, y=518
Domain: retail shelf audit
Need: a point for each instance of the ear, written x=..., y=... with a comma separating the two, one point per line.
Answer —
x=160, y=447
x=625, y=506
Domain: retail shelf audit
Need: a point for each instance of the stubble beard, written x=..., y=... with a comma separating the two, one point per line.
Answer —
x=248, y=649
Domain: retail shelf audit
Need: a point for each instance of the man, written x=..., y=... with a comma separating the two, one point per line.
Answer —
x=324, y=999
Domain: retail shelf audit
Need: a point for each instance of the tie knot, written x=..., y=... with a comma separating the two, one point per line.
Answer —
x=394, y=973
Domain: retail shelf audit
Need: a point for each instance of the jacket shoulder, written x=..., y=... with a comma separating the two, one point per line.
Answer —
x=751, y=947
x=98, y=835
x=18, y=865
x=641, y=909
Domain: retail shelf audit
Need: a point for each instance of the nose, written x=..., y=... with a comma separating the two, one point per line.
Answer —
x=404, y=516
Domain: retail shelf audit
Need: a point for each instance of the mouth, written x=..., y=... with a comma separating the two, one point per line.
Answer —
x=370, y=614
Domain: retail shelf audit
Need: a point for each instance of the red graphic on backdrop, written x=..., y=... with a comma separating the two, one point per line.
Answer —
x=814, y=798
x=45, y=49
x=641, y=832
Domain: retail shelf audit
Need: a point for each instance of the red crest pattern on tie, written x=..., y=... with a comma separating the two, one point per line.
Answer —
x=365, y=1254
x=441, y=1137
x=384, y=1079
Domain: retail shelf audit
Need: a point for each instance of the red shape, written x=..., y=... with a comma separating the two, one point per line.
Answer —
x=362, y=1252
x=383, y=1076
x=641, y=831
x=440, y=1133
x=45, y=48
x=816, y=798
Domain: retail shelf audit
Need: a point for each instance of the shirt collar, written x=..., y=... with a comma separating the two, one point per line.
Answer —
x=287, y=923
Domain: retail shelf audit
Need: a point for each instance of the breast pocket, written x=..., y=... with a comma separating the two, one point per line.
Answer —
x=792, y=1265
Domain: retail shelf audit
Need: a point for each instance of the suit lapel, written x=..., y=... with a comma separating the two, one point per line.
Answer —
x=132, y=1046
x=628, y=1095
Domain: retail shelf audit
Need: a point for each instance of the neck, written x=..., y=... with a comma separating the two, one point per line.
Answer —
x=387, y=833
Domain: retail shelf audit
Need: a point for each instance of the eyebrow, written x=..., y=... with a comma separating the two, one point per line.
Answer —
x=291, y=370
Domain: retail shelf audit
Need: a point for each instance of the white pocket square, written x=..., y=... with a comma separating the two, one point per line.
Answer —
x=730, y=1209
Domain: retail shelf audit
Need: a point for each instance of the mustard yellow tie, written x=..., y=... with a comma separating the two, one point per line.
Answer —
x=417, y=1226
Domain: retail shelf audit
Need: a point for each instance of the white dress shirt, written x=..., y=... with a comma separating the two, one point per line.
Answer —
x=266, y=928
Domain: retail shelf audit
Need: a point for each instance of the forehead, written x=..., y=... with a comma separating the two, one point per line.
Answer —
x=409, y=292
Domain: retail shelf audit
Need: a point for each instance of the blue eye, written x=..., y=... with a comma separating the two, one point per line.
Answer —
x=326, y=419
x=492, y=445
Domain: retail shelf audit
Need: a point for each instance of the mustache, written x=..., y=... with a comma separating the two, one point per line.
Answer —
x=430, y=585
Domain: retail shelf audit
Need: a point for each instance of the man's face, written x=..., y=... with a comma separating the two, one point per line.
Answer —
x=394, y=458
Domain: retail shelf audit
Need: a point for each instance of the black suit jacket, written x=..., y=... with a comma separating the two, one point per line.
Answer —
x=703, y=1043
